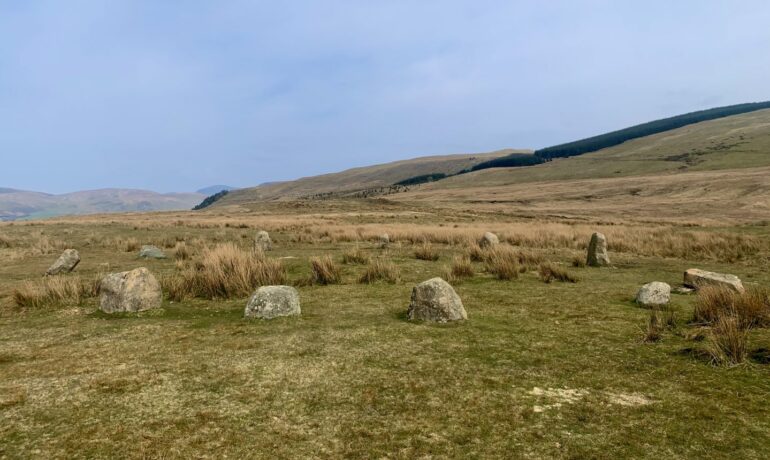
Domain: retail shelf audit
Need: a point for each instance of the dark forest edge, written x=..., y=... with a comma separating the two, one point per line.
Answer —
x=209, y=200
x=602, y=141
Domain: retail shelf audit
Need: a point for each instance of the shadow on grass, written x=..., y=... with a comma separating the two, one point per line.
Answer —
x=698, y=354
x=760, y=356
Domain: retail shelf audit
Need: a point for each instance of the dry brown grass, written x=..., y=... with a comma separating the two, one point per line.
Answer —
x=503, y=262
x=355, y=256
x=751, y=308
x=182, y=251
x=461, y=268
x=426, y=251
x=224, y=271
x=654, y=330
x=549, y=272
x=323, y=270
x=129, y=244
x=55, y=291
x=728, y=343
x=380, y=270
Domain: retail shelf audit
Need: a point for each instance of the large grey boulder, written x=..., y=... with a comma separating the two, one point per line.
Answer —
x=151, y=252
x=67, y=261
x=273, y=301
x=263, y=241
x=489, y=240
x=131, y=291
x=436, y=301
x=654, y=294
x=696, y=278
x=597, y=251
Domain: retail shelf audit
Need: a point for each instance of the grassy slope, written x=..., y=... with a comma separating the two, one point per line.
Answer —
x=351, y=378
x=740, y=141
x=362, y=178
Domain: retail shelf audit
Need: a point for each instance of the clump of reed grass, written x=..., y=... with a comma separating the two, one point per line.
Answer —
x=55, y=291
x=426, y=252
x=355, y=256
x=223, y=272
x=380, y=270
x=503, y=263
x=461, y=268
x=549, y=272
x=324, y=271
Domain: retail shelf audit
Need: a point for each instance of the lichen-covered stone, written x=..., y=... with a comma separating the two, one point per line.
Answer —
x=262, y=241
x=67, y=261
x=273, y=301
x=436, y=301
x=654, y=294
x=151, y=252
x=489, y=240
x=597, y=251
x=696, y=278
x=131, y=291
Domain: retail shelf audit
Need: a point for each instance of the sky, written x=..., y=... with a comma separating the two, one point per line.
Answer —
x=177, y=95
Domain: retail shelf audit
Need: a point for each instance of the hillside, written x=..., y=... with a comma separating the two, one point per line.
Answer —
x=368, y=177
x=19, y=204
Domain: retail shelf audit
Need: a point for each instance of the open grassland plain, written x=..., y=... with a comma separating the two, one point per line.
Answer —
x=539, y=370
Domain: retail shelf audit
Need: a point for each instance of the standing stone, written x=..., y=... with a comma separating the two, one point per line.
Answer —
x=384, y=240
x=67, y=261
x=696, y=278
x=489, y=240
x=270, y=302
x=263, y=241
x=151, y=252
x=436, y=301
x=654, y=294
x=597, y=251
x=132, y=291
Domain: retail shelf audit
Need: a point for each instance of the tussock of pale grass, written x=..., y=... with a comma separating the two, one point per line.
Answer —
x=549, y=272
x=751, y=308
x=380, y=270
x=728, y=343
x=324, y=271
x=55, y=291
x=182, y=251
x=355, y=256
x=461, y=268
x=503, y=263
x=654, y=330
x=224, y=271
x=5, y=242
x=426, y=252
x=579, y=262
x=129, y=244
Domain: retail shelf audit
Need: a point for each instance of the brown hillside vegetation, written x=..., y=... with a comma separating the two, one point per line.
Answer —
x=363, y=178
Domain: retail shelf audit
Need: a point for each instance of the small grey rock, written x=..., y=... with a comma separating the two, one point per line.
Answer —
x=151, y=252
x=597, y=251
x=654, y=294
x=273, y=301
x=67, y=261
x=131, y=291
x=436, y=301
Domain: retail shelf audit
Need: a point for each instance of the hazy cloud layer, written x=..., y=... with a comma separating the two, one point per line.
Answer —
x=172, y=96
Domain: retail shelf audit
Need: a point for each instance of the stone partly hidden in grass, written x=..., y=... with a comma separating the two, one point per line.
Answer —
x=384, y=240
x=696, y=278
x=273, y=301
x=489, y=240
x=262, y=241
x=654, y=294
x=151, y=252
x=436, y=301
x=132, y=291
x=67, y=261
x=597, y=251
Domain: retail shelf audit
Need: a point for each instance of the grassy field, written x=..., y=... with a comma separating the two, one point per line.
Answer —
x=539, y=370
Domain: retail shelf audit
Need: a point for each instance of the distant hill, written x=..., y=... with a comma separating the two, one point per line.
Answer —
x=20, y=204
x=212, y=189
x=364, y=178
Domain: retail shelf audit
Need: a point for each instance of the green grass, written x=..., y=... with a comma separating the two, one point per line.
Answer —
x=538, y=371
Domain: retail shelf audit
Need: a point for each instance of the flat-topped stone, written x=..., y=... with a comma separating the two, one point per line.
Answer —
x=697, y=278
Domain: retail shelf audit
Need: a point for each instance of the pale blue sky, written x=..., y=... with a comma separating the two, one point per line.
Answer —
x=176, y=95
